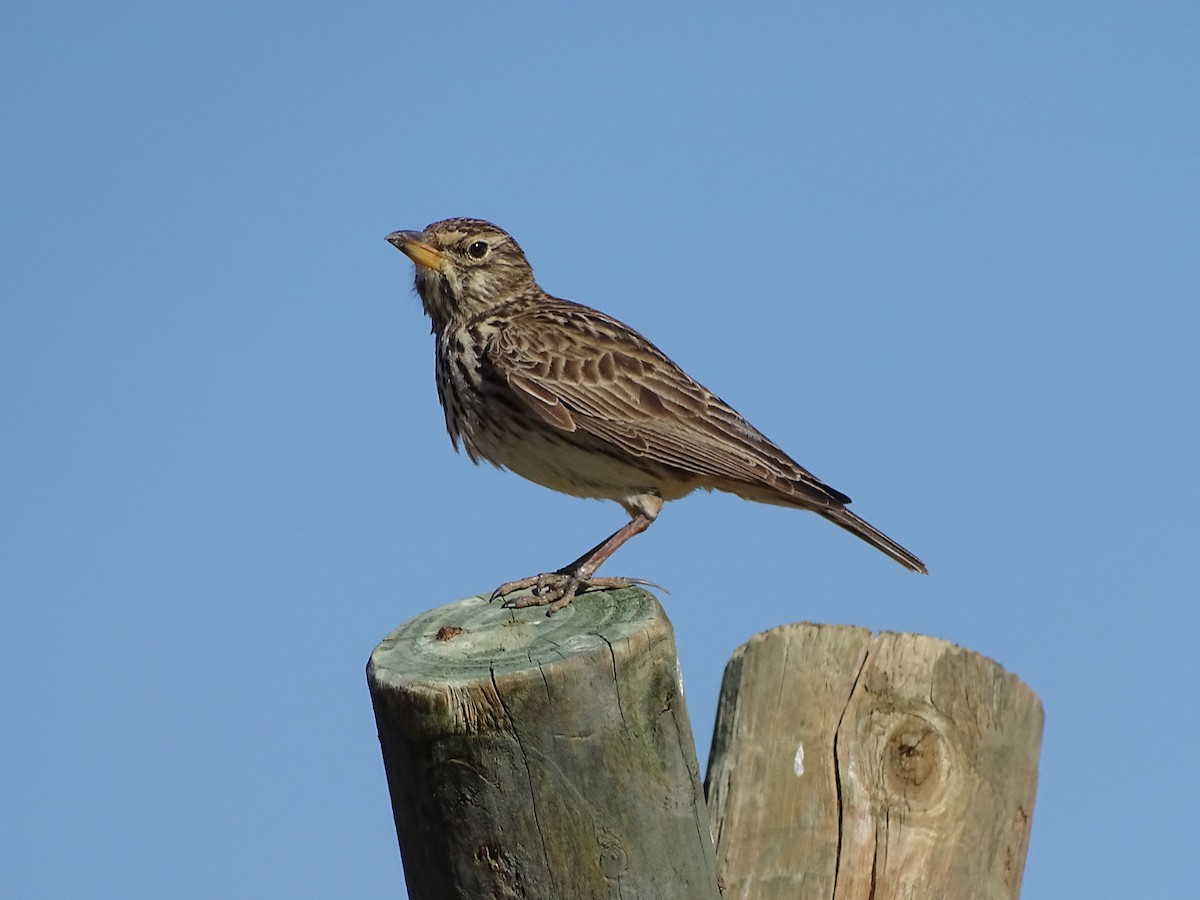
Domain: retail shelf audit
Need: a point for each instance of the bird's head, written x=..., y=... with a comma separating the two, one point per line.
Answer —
x=464, y=267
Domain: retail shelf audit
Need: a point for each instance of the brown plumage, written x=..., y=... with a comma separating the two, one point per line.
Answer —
x=578, y=402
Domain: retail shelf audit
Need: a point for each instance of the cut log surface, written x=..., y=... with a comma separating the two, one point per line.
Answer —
x=542, y=757
x=854, y=766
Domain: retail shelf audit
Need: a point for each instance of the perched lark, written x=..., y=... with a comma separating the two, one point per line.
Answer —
x=578, y=402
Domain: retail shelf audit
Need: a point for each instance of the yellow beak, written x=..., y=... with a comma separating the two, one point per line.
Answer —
x=410, y=244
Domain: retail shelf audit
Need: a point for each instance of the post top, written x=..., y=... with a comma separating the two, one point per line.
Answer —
x=461, y=641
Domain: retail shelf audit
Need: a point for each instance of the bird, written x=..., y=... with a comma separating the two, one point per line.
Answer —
x=574, y=400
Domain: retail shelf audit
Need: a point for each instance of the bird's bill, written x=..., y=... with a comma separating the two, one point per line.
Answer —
x=410, y=244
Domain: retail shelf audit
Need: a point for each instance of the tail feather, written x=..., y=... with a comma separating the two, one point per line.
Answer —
x=860, y=528
x=809, y=493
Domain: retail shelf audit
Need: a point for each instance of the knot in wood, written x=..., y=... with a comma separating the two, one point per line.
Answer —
x=916, y=763
x=614, y=861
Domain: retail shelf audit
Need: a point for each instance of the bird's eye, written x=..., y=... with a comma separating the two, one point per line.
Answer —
x=478, y=250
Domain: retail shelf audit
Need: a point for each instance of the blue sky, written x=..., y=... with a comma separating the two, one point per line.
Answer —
x=945, y=255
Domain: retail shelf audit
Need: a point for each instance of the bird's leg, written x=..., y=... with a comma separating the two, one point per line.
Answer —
x=557, y=589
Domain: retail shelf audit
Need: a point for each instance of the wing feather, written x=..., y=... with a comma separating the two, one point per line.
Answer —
x=581, y=370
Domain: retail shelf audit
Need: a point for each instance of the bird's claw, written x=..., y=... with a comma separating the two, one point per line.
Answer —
x=555, y=589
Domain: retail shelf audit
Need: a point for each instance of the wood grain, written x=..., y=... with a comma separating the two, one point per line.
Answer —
x=854, y=767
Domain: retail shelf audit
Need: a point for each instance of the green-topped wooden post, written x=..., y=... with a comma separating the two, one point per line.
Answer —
x=542, y=757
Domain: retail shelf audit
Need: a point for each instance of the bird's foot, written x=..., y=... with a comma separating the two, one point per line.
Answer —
x=554, y=589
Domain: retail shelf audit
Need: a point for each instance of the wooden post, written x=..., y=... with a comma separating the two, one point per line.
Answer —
x=850, y=766
x=532, y=757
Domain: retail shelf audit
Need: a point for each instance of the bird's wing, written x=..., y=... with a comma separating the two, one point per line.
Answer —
x=581, y=370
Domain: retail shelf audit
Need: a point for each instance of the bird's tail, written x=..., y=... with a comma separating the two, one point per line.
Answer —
x=843, y=518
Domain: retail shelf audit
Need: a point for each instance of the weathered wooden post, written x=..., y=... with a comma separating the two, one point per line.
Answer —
x=531, y=757
x=854, y=766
